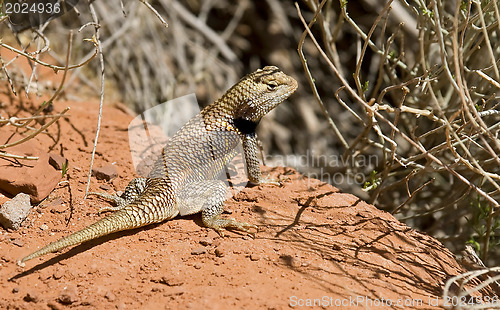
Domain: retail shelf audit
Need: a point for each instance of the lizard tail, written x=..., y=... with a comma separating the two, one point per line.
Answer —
x=120, y=220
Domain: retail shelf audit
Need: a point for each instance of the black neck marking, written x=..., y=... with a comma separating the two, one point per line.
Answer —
x=245, y=126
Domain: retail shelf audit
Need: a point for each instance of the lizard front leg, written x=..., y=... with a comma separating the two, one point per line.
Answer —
x=250, y=148
x=208, y=198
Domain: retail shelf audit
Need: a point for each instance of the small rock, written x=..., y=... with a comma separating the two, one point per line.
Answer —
x=57, y=161
x=198, y=251
x=45, y=275
x=206, y=241
x=58, y=209
x=15, y=211
x=254, y=257
x=105, y=173
x=53, y=203
x=44, y=227
x=32, y=296
x=17, y=242
x=110, y=296
x=121, y=306
x=68, y=295
x=169, y=280
x=105, y=187
x=219, y=252
x=296, y=262
x=59, y=273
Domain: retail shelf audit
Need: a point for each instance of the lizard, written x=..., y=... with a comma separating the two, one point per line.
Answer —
x=185, y=179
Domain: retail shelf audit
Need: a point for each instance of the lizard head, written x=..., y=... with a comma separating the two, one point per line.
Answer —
x=261, y=91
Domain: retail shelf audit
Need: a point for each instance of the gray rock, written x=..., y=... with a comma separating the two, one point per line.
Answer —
x=15, y=211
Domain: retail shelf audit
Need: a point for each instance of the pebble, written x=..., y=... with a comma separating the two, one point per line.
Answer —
x=58, y=274
x=32, y=296
x=55, y=202
x=172, y=281
x=254, y=257
x=68, y=295
x=110, y=296
x=57, y=161
x=206, y=241
x=105, y=187
x=17, y=242
x=107, y=173
x=198, y=251
x=220, y=252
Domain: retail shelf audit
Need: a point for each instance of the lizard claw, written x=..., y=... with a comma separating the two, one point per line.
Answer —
x=219, y=223
x=270, y=180
x=220, y=231
x=118, y=200
x=108, y=209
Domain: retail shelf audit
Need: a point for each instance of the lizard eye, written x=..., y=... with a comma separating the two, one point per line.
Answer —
x=271, y=85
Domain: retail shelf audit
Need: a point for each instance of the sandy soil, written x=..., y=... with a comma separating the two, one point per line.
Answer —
x=315, y=245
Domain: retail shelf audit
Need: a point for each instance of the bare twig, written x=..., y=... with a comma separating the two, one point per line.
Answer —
x=155, y=12
x=311, y=79
x=101, y=102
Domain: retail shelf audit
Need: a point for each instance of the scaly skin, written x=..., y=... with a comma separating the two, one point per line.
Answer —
x=185, y=179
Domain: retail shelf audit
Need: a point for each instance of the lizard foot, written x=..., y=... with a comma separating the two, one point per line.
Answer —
x=219, y=223
x=109, y=209
x=119, y=201
x=270, y=181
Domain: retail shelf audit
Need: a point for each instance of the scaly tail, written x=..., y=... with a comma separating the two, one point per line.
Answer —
x=124, y=219
x=118, y=221
x=146, y=209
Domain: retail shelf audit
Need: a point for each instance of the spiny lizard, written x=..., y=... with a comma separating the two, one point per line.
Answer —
x=185, y=180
